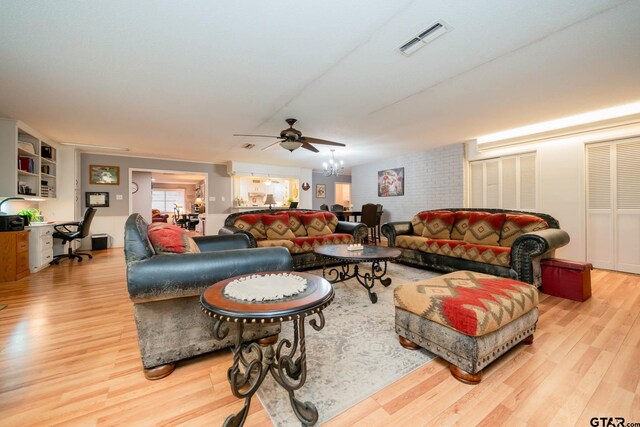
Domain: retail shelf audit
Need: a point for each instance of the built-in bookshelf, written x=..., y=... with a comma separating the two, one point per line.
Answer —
x=28, y=165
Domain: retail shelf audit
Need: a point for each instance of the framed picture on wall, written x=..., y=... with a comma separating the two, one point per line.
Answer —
x=321, y=191
x=108, y=175
x=97, y=199
x=391, y=182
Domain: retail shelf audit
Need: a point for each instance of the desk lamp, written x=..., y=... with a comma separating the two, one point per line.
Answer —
x=269, y=200
x=6, y=200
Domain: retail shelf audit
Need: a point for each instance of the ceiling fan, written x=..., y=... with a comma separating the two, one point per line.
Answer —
x=292, y=139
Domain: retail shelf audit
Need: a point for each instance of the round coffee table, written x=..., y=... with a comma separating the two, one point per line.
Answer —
x=287, y=363
x=376, y=255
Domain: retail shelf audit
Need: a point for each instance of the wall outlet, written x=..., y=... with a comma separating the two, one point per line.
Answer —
x=212, y=198
x=222, y=198
x=118, y=196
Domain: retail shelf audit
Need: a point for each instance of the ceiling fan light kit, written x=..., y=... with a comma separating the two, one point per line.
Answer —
x=291, y=139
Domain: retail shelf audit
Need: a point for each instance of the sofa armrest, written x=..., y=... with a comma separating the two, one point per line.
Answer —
x=168, y=276
x=357, y=229
x=528, y=249
x=391, y=230
x=222, y=243
x=230, y=229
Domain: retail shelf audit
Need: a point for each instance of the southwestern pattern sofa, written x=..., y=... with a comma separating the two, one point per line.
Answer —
x=298, y=230
x=165, y=277
x=500, y=242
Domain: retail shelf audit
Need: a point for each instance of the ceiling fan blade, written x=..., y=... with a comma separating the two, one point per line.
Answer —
x=263, y=136
x=309, y=147
x=271, y=145
x=321, y=141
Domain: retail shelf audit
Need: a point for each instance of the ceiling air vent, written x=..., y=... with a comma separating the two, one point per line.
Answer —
x=426, y=36
x=248, y=146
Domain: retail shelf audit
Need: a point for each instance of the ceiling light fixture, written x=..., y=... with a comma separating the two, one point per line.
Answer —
x=97, y=147
x=593, y=120
x=290, y=145
x=333, y=168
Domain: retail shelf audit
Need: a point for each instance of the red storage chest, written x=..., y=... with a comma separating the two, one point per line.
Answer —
x=566, y=279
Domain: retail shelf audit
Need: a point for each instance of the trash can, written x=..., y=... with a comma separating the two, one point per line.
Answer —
x=566, y=279
x=99, y=242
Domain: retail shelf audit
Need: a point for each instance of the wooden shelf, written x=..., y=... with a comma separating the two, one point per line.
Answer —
x=47, y=175
x=46, y=160
x=25, y=173
x=25, y=153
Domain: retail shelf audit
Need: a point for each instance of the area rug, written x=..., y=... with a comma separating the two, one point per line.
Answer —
x=354, y=356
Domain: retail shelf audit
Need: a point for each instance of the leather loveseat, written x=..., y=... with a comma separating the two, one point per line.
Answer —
x=298, y=230
x=165, y=289
x=493, y=241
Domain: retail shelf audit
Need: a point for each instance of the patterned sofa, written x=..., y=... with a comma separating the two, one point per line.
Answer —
x=493, y=241
x=298, y=230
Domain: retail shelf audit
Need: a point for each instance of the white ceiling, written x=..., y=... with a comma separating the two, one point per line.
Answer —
x=177, y=79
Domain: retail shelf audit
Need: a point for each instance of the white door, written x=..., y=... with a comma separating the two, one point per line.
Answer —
x=613, y=205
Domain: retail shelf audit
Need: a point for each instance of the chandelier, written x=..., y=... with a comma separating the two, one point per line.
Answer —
x=333, y=167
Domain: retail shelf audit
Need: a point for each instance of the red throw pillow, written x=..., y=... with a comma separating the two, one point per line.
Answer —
x=484, y=228
x=277, y=227
x=460, y=225
x=168, y=238
x=332, y=221
x=316, y=224
x=437, y=225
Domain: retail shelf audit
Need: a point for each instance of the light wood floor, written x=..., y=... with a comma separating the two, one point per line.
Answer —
x=69, y=356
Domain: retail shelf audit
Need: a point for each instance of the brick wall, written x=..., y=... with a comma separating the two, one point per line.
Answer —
x=433, y=180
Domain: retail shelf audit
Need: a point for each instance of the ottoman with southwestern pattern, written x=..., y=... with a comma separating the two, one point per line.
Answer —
x=469, y=319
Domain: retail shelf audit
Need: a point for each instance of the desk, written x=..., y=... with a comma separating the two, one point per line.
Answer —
x=287, y=361
x=14, y=253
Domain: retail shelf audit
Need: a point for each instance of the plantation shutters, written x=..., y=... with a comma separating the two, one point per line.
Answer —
x=505, y=182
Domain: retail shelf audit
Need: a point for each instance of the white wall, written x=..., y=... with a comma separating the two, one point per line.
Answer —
x=433, y=179
x=561, y=180
x=141, y=199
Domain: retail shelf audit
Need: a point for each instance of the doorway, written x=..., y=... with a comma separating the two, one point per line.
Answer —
x=343, y=194
x=613, y=205
x=174, y=197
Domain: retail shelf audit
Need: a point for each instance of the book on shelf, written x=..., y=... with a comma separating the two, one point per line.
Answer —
x=47, y=152
x=26, y=164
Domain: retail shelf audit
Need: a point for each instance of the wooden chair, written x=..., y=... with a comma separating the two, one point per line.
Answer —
x=337, y=209
x=324, y=207
x=370, y=219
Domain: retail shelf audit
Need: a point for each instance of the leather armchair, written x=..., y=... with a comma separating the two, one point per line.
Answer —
x=165, y=290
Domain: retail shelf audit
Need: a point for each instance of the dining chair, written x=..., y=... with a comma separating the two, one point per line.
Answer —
x=370, y=219
x=324, y=207
x=336, y=209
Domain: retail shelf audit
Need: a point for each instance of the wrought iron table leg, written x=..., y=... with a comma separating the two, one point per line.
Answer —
x=287, y=370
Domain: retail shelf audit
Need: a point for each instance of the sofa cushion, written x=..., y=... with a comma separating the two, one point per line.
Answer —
x=496, y=255
x=452, y=248
x=275, y=244
x=168, y=238
x=295, y=223
x=437, y=225
x=484, y=228
x=251, y=223
x=277, y=226
x=474, y=304
x=332, y=221
x=316, y=224
x=460, y=225
x=308, y=244
x=418, y=223
x=516, y=225
x=417, y=243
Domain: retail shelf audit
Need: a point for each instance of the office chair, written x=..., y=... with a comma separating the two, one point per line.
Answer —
x=68, y=235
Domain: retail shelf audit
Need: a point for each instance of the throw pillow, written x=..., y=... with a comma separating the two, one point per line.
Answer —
x=484, y=228
x=251, y=223
x=438, y=225
x=316, y=224
x=169, y=238
x=277, y=227
x=516, y=225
